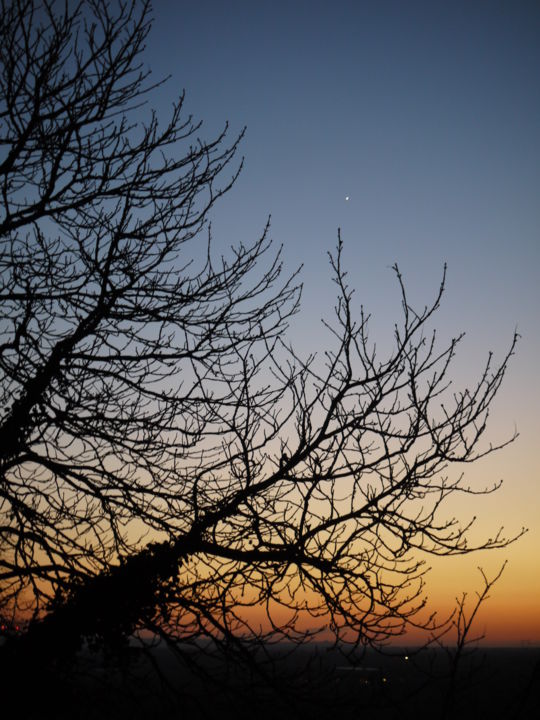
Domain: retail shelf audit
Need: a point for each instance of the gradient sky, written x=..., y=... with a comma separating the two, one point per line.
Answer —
x=427, y=116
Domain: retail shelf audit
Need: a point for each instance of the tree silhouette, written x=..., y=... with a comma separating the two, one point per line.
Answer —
x=169, y=462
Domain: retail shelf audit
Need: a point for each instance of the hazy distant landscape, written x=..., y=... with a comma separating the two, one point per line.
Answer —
x=313, y=682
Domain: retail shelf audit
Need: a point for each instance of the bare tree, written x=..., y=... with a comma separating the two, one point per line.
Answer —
x=465, y=645
x=168, y=461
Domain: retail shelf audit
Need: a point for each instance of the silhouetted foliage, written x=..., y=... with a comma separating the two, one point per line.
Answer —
x=168, y=461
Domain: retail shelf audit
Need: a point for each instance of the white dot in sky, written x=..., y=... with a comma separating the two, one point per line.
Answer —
x=346, y=197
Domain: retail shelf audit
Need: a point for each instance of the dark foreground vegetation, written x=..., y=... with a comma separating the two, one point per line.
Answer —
x=318, y=681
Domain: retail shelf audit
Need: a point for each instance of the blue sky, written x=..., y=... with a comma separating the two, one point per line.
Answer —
x=427, y=116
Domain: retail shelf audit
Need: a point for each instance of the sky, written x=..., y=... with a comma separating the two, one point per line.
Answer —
x=426, y=116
